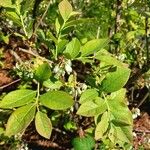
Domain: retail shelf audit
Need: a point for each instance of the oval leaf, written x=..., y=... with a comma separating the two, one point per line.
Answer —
x=65, y=9
x=92, y=108
x=20, y=119
x=73, y=48
x=43, y=125
x=57, y=100
x=88, y=95
x=115, y=80
x=43, y=72
x=93, y=46
x=61, y=46
x=17, y=98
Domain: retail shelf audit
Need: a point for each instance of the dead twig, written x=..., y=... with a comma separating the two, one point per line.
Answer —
x=40, y=21
x=35, y=55
x=142, y=101
x=4, y=86
x=16, y=56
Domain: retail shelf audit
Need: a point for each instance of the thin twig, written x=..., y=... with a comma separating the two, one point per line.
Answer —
x=17, y=57
x=142, y=101
x=40, y=21
x=35, y=55
x=4, y=86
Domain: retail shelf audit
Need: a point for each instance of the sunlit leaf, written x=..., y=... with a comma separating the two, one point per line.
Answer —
x=102, y=126
x=6, y=3
x=20, y=119
x=88, y=95
x=18, y=98
x=65, y=9
x=57, y=100
x=73, y=48
x=43, y=72
x=115, y=80
x=93, y=46
x=121, y=115
x=43, y=124
x=92, y=108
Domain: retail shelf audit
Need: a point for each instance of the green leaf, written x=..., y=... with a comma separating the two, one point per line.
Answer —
x=17, y=98
x=12, y=15
x=88, y=95
x=57, y=25
x=121, y=119
x=121, y=135
x=52, y=84
x=102, y=126
x=57, y=100
x=20, y=119
x=92, y=108
x=61, y=46
x=106, y=57
x=65, y=9
x=6, y=3
x=83, y=143
x=77, y=22
x=43, y=124
x=115, y=80
x=2, y=130
x=26, y=6
x=93, y=46
x=73, y=13
x=124, y=134
x=121, y=115
x=43, y=72
x=51, y=36
x=73, y=48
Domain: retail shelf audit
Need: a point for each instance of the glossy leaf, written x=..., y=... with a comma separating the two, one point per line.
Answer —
x=65, y=9
x=93, y=46
x=43, y=124
x=57, y=100
x=18, y=98
x=92, y=108
x=88, y=95
x=20, y=119
x=73, y=48
x=43, y=72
